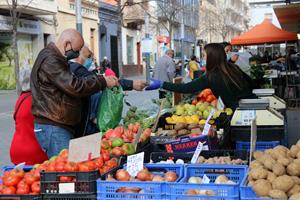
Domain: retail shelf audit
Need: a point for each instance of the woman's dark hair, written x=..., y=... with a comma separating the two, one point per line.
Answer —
x=193, y=57
x=217, y=63
x=225, y=44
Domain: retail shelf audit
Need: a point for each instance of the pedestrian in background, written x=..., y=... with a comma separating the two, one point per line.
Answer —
x=24, y=146
x=193, y=66
x=165, y=70
x=56, y=92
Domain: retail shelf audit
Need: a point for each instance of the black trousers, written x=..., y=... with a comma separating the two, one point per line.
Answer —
x=162, y=94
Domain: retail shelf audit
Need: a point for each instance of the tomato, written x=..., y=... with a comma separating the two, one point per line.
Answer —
x=99, y=162
x=6, y=173
x=210, y=98
x=64, y=153
x=104, y=169
x=117, y=151
x=11, y=180
x=105, y=156
x=136, y=127
x=112, y=163
x=36, y=187
x=1, y=187
x=92, y=165
x=22, y=183
x=30, y=178
x=65, y=179
x=130, y=127
x=17, y=172
x=9, y=190
x=71, y=167
x=25, y=189
x=59, y=166
x=105, y=144
x=51, y=167
x=61, y=159
x=36, y=172
x=119, y=130
x=83, y=167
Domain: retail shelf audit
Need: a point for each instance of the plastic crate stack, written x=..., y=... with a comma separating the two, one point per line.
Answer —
x=241, y=145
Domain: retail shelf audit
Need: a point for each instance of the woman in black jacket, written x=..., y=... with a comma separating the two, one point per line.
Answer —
x=224, y=79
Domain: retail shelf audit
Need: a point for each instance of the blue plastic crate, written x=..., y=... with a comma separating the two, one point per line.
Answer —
x=26, y=168
x=246, y=192
x=106, y=190
x=259, y=145
x=235, y=173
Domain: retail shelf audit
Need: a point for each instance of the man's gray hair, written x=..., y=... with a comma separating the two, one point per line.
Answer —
x=24, y=78
x=169, y=51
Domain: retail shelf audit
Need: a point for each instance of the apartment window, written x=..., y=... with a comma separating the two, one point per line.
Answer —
x=129, y=50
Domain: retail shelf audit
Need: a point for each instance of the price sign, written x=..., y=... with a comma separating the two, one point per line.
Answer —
x=205, y=179
x=197, y=153
x=65, y=188
x=135, y=163
x=220, y=104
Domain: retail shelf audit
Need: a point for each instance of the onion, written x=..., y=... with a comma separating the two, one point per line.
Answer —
x=158, y=179
x=170, y=176
x=196, y=180
x=110, y=178
x=221, y=180
x=144, y=175
x=192, y=192
x=122, y=175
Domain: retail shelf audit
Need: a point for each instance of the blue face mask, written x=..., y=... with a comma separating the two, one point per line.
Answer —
x=203, y=63
x=88, y=63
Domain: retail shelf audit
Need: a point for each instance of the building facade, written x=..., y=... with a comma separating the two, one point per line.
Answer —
x=221, y=20
x=90, y=21
x=35, y=29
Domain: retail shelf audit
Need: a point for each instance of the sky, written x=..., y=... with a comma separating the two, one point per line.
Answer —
x=257, y=15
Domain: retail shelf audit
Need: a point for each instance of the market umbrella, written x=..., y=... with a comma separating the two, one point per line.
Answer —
x=263, y=33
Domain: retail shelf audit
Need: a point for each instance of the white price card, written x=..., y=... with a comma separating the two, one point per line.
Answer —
x=205, y=179
x=65, y=188
x=220, y=104
x=197, y=152
x=135, y=163
x=206, y=129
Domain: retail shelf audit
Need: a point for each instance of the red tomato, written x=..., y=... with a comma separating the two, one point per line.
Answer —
x=91, y=164
x=11, y=180
x=17, y=172
x=51, y=167
x=25, y=189
x=1, y=187
x=65, y=179
x=130, y=127
x=30, y=178
x=71, y=167
x=22, y=183
x=105, y=144
x=9, y=190
x=83, y=167
x=99, y=162
x=6, y=173
x=64, y=153
x=105, y=156
x=36, y=172
x=136, y=128
x=112, y=163
x=59, y=166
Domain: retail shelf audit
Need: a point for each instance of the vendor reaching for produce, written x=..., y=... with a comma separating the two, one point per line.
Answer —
x=225, y=79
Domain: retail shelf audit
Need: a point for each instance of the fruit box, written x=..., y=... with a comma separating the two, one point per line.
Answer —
x=107, y=190
x=235, y=173
x=186, y=144
x=26, y=168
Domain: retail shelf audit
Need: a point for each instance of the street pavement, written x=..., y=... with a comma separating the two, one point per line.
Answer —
x=7, y=103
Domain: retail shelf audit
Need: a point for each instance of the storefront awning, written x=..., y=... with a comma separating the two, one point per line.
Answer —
x=289, y=16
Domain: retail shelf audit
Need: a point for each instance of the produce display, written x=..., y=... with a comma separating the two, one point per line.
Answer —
x=206, y=95
x=275, y=173
x=214, y=160
x=141, y=117
x=119, y=141
x=222, y=179
x=17, y=181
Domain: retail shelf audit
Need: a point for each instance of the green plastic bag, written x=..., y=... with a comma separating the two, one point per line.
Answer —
x=110, y=109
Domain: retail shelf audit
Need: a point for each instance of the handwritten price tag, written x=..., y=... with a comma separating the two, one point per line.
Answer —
x=135, y=163
x=197, y=153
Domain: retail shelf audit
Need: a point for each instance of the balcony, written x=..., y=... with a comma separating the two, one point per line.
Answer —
x=33, y=7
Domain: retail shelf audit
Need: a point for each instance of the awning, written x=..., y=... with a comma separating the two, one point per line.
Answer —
x=288, y=16
x=264, y=33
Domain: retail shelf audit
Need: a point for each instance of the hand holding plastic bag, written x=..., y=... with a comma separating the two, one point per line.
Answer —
x=110, y=108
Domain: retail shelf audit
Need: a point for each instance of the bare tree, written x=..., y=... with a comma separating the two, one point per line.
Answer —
x=15, y=13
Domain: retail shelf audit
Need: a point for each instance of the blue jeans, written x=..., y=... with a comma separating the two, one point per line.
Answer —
x=52, y=139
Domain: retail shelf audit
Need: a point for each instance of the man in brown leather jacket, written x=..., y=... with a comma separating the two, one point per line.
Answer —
x=56, y=92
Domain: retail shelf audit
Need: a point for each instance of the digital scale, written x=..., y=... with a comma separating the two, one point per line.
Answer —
x=269, y=122
x=274, y=101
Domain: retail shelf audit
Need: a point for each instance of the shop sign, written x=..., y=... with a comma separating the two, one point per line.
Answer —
x=24, y=26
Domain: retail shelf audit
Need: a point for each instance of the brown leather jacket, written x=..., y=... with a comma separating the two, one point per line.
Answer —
x=56, y=92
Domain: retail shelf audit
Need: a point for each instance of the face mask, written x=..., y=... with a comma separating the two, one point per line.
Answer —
x=88, y=63
x=203, y=62
x=71, y=54
x=228, y=56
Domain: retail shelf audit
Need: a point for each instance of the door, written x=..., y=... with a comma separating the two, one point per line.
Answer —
x=138, y=53
x=114, y=54
x=129, y=50
x=92, y=40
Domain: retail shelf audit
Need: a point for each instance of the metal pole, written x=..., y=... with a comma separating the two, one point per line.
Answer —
x=182, y=48
x=147, y=56
x=78, y=16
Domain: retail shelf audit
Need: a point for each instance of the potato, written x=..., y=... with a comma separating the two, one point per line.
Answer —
x=294, y=151
x=183, y=132
x=293, y=169
x=172, y=132
x=259, y=173
x=277, y=194
x=278, y=169
x=284, y=183
x=269, y=163
x=264, y=158
x=180, y=126
x=284, y=161
x=192, y=126
x=271, y=177
x=262, y=187
x=298, y=143
x=255, y=164
x=294, y=190
x=298, y=155
x=282, y=149
x=221, y=179
x=296, y=180
x=295, y=196
x=272, y=153
x=258, y=154
x=251, y=183
x=200, y=160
